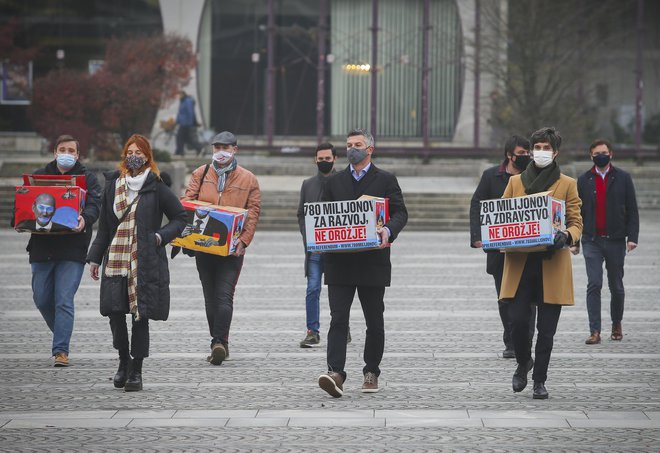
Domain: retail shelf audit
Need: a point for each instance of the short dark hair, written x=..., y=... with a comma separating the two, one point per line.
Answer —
x=546, y=135
x=599, y=142
x=324, y=146
x=66, y=138
x=513, y=142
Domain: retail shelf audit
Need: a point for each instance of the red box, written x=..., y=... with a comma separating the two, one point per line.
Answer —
x=49, y=209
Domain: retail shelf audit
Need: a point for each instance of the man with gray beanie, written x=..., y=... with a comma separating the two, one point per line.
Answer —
x=223, y=182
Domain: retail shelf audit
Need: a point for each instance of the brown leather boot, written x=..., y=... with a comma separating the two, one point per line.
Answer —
x=617, y=332
x=594, y=338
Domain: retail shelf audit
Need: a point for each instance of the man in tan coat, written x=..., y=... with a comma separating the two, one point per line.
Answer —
x=223, y=182
x=544, y=278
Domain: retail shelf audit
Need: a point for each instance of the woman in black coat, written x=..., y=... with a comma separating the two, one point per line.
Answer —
x=130, y=244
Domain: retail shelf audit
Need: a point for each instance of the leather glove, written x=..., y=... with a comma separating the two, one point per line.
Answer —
x=560, y=241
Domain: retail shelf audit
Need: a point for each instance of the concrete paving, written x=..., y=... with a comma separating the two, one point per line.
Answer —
x=444, y=384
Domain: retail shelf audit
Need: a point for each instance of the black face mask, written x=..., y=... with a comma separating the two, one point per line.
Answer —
x=325, y=167
x=521, y=162
x=601, y=160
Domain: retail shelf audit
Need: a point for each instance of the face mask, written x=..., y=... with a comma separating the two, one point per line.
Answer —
x=135, y=162
x=223, y=157
x=65, y=161
x=325, y=167
x=521, y=162
x=543, y=158
x=355, y=155
x=601, y=160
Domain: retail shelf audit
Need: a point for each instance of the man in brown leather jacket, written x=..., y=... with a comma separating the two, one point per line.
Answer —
x=223, y=182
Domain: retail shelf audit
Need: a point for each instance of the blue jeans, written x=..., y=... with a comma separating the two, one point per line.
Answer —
x=54, y=285
x=613, y=252
x=314, y=273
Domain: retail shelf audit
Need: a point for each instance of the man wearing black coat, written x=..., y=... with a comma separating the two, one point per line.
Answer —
x=367, y=272
x=311, y=192
x=611, y=228
x=491, y=185
x=58, y=261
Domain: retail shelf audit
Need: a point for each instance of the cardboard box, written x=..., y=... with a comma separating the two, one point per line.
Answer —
x=522, y=224
x=49, y=204
x=211, y=228
x=348, y=225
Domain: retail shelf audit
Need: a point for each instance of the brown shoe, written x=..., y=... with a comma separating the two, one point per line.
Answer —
x=333, y=383
x=370, y=384
x=61, y=359
x=594, y=338
x=617, y=332
x=218, y=354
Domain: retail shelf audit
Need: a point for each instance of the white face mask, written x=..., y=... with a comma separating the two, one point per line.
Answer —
x=542, y=158
x=223, y=157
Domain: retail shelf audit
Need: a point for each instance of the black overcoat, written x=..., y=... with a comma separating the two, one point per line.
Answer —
x=491, y=185
x=153, y=278
x=373, y=267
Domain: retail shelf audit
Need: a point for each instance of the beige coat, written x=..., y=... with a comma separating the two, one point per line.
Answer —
x=558, y=270
x=241, y=191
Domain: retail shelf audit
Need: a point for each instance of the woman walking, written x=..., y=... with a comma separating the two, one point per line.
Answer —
x=130, y=244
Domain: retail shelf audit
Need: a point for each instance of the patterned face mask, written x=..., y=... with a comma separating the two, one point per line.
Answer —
x=135, y=162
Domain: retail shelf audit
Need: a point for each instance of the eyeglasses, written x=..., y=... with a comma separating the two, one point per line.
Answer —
x=45, y=208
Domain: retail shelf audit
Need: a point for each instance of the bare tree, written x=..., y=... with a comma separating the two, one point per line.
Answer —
x=541, y=63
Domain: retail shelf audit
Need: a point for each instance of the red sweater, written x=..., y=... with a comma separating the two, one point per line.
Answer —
x=601, y=202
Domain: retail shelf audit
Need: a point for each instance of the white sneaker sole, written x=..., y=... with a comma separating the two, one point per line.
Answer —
x=370, y=390
x=330, y=386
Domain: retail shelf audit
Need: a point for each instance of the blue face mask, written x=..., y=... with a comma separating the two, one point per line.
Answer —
x=65, y=161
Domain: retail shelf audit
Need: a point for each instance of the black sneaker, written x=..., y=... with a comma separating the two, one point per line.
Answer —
x=509, y=353
x=312, y=340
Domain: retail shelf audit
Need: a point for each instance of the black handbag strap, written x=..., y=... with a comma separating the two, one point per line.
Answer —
x=128, y=209
x=201, y=180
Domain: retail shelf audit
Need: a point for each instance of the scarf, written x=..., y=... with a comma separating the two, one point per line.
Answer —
x=223, y=172
x=538, y=180
x=122, y=253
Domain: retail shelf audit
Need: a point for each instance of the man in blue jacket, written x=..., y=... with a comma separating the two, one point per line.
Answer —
x=611, y=228
x=58, y=260
x=187, y=121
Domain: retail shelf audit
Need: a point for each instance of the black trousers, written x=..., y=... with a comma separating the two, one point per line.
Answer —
x=530, y=291
x=373, y=307
x=187, y=135
x=139, y=345
x=219, y=276
x=504, y=314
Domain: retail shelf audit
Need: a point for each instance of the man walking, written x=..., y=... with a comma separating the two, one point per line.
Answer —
x=492, y=184
x=368, y=272
x=611, y=227
x=543, y=278
x=187, y=121
x=58, y=260
x=310, y=192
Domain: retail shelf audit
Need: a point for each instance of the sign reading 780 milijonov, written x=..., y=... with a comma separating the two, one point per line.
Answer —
x=344, y=225
x=520, y=222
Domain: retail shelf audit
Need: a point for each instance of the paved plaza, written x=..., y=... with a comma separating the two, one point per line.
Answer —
x=444, y=384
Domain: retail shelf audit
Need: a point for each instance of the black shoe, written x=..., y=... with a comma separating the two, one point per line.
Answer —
x=540, y=393
x=519, y=381
x=122, y=372
x=508, y=353
x=134, y=381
